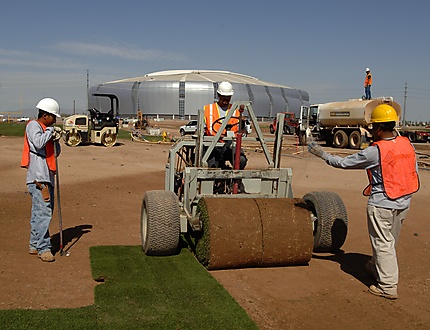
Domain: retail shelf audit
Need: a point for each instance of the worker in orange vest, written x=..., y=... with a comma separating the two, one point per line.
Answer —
x=214, y=113
x=393, y=177
x=367, y=85
x=38, y=157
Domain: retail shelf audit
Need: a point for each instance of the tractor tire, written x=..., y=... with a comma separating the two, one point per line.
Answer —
x=160, y=223
x=412, y=137
x=355, y=140
x=329, y=219
x=272, y=129
x=108, y=139
x=340, y=139
x=73, y=138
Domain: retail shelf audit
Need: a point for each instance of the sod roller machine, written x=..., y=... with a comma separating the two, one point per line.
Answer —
x=259, y=225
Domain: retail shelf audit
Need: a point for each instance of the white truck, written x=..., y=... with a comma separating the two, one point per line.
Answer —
x=342, y=124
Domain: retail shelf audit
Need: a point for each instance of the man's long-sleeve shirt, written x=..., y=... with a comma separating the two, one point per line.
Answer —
x=38, y=168
x=369, y=159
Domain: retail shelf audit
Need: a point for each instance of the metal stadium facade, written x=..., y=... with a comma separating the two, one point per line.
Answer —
x=180, y=93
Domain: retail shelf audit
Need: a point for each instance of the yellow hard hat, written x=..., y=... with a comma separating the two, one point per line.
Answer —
x=384, y=113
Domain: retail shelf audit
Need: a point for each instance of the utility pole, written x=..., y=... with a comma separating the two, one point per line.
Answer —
x=88, y=86
x=404, y=104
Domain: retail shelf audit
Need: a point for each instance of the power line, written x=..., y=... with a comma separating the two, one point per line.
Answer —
x=404, y=104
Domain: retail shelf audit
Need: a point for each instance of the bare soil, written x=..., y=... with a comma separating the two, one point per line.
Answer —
x=101, y=195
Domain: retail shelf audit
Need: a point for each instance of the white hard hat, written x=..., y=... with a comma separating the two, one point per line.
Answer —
x=225, y=89
x=49, y=105
x=367, y=69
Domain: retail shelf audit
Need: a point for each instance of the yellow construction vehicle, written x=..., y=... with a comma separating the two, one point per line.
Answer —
x=101, y=128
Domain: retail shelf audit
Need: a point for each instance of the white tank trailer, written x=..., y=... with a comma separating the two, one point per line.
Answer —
x=346, y=124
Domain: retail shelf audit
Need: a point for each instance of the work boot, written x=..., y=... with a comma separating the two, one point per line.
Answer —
x=32, y=251
x=373, y=289
x=47, y=256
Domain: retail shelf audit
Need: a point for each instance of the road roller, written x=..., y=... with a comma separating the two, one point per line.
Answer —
x=261, y=224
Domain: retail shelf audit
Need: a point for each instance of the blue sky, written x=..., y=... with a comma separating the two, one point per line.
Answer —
x=322, y=47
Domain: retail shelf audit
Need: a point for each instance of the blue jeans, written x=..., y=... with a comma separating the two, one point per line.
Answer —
x=367, y=93
x=41, y=215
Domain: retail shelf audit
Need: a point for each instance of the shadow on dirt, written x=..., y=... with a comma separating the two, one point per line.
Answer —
x=351, y=263
x=69, y=235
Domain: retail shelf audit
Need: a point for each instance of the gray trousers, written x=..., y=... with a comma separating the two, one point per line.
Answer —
x=384, y=230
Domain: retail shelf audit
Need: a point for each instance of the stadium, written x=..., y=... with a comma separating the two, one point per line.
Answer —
x=180, y=93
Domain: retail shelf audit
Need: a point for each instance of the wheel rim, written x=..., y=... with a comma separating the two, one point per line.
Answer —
x=144, y=226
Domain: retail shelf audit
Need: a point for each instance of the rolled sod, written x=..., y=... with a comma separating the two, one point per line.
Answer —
x=254, y=232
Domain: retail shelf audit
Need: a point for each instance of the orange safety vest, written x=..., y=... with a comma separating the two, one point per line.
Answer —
x=212, y=114
x=49, y=151
x=368, y=80
x=398, y=168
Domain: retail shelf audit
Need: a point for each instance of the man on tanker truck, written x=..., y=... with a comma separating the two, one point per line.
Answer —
x=367, y=85
x=342, y=124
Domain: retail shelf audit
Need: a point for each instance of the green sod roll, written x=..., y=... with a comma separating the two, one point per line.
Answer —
x=253, y=232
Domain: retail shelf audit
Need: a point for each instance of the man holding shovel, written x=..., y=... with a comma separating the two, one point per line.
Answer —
x=39, y=157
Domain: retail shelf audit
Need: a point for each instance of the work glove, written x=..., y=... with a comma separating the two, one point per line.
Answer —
x=57, y=133
x=315, y=149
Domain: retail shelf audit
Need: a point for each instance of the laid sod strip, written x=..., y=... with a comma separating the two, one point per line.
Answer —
x=141, y=292
x=59, y=318
x=160, y=292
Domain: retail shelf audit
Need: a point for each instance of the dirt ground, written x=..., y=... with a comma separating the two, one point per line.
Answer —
x=101, y=195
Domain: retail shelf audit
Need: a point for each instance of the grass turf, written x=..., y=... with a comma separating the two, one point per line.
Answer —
x=142, y=292
x=12, y=129
x=17, y=129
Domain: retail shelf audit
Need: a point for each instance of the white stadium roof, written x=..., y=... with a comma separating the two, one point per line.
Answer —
x=199, y=75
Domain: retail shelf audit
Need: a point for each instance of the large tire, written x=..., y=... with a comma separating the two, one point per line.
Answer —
x=272, y=129
x=340, y=139
x=329, y=218
x=355, y=140
x=160, y=223
x=302, y=138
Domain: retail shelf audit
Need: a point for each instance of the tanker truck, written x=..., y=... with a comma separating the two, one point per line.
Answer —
x=342, y=124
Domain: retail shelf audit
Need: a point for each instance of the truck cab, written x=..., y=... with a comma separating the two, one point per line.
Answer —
x=308, y=119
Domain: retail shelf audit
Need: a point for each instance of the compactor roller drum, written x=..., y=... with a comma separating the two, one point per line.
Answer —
x=329, y=218
x=73, y=138
x=108, y=139
x=160, y=223
x=254, y=232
